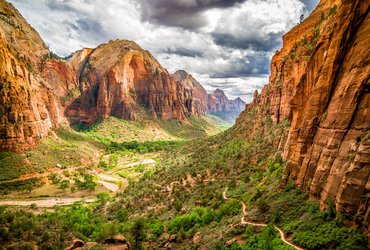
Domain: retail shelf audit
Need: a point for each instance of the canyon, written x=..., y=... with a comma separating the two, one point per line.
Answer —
x=297, y=159
x=40, y=91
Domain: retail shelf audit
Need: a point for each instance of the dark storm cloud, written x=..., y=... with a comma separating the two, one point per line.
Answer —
x=250, y=66
x=183, y=52
x=181, y=13
x=268, y=42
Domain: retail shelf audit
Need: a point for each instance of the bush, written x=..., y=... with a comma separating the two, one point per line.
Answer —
x=138, y=232
x=156, y=229
x=262, y=205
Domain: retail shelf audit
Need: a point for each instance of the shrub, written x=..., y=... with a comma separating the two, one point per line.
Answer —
x=262, y=205
x=138, y=232
x=156, y=229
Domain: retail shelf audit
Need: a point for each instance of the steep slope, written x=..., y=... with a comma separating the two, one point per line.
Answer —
x=221, y=106
x=119, y=78
x=216, y=103
x=320, y=82
x=196, y=97
x=28, y=108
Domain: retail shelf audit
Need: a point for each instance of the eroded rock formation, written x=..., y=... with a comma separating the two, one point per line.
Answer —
x=197, y=100
x=320, y=82
x=28, y=107
x=121, y=79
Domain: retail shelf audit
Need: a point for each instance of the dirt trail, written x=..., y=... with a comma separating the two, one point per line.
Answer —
x=45, y=203
x=244, y=222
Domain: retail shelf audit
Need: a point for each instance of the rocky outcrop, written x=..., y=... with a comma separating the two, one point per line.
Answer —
x=320, y=82
x=28, y=107
x=221, y=106
x=121, y=79
x=197, y=100
x=117, y=242
x=195, y=96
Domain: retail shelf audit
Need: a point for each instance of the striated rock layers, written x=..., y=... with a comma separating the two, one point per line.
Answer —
x=320, y=82
x=199, y=101
x=28, y=107
x=120, y=79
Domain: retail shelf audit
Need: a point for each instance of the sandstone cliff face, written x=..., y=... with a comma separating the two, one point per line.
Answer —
x=118, y=78
x=195, y=96
x=197, y=100
x=28, y=108
x=320, y=82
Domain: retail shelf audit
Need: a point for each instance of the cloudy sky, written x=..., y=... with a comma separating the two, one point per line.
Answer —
x=225, y=44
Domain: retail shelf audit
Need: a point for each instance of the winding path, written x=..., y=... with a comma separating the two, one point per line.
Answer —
x=244, y=222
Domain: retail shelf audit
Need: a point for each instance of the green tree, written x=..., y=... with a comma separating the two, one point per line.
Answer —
x=268, y=235
x=64, y=185
x=138, y=232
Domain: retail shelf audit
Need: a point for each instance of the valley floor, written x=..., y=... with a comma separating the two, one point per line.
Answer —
x=220, y=192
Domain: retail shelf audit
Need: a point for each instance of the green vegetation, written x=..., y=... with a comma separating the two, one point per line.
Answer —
x=10, y=159
x=87, y=182
x=143, y=147
x=21, y=186
x=117, y=130
x=66, y=148
x=180, y=195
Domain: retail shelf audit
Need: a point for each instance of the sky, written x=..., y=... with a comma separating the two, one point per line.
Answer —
x=225, y=44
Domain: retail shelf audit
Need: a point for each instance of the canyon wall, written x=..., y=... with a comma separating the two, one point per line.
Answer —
x=28, y=108
x=320, y=83
x=215, y=103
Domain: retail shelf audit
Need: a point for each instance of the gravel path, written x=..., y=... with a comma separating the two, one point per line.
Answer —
x=244, y=222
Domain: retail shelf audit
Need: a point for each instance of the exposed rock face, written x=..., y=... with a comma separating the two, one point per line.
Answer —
x=196, y=97
x=28, y=108
x=117, y=242
x=320, y=82
x=197, y=100
x=119, y=77
x=220, y=105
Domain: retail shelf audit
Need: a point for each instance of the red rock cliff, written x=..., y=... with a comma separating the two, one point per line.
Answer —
x=38, y=90
x=320, y=82
x=28, y=107
x=120, y=78
x=198, y=101
x=196, y=97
